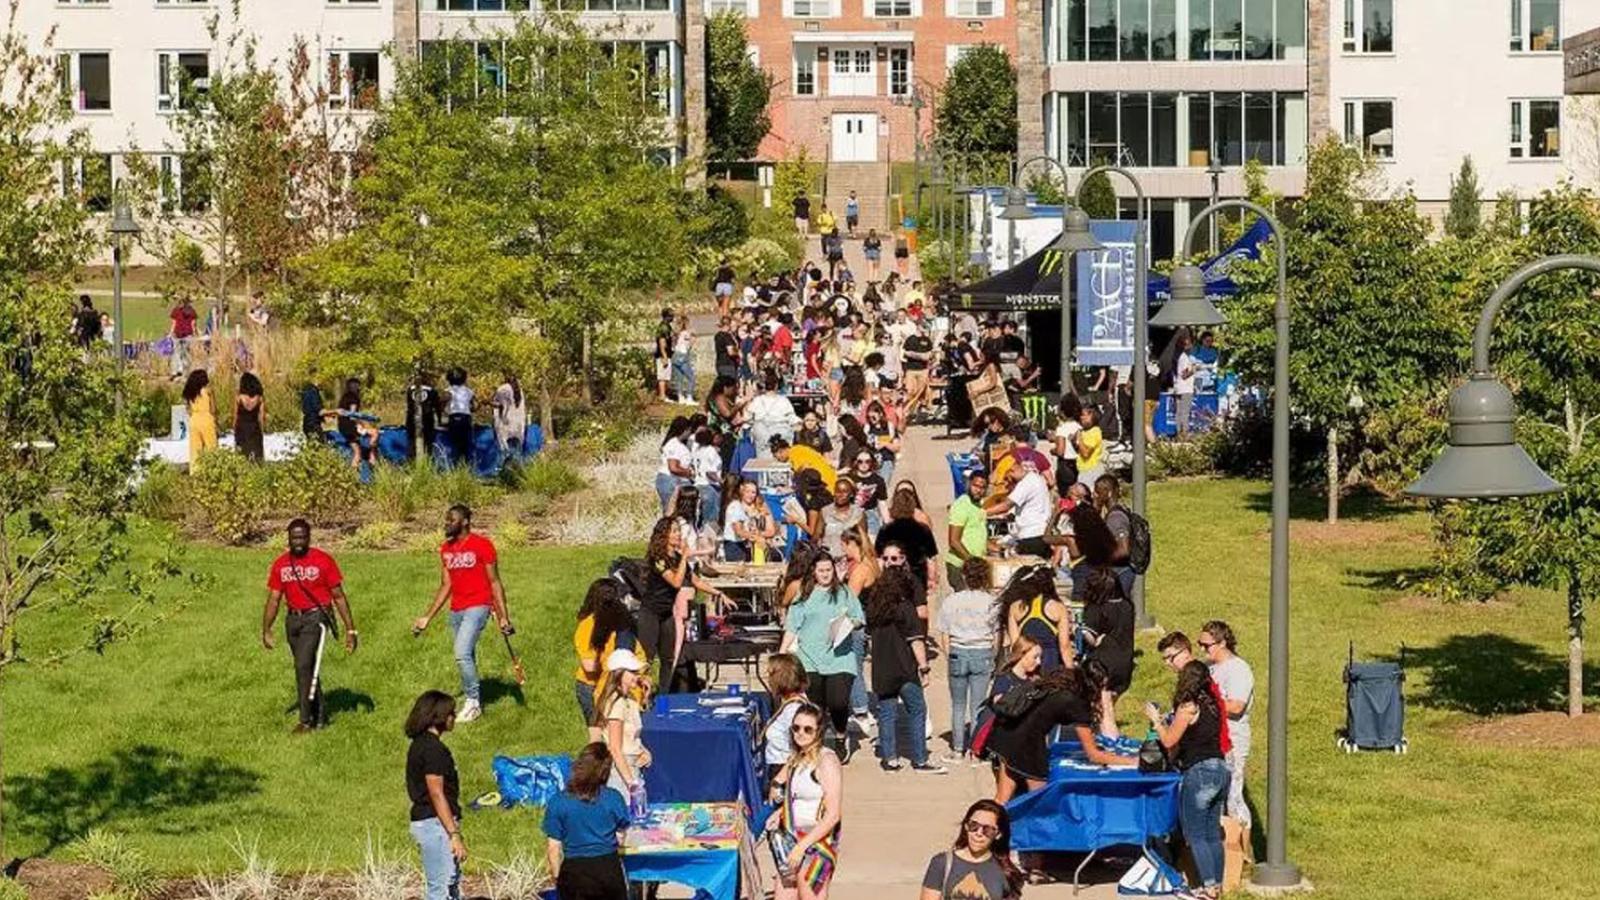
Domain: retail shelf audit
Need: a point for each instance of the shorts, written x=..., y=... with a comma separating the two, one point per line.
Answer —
x=802, y=224
x=723, y=289
x=663, y=369
x=901, y=253
x=851, y=221
x=835, y=374
x=873, y=255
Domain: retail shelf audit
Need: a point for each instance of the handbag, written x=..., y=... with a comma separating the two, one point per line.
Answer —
x=1153, y=757
x=1018, y=701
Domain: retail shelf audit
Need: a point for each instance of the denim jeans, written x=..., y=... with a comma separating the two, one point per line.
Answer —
x=888, y=713
x=467, y=625
x=683, y=375
x=860, y=704
x=584, y=692
x=441, y=876
x=710, y=506
x=665, y=485
x=1201, y=798
x=970, y=668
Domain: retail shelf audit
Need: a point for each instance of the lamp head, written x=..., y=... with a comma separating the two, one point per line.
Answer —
x=1482, y=459
x=1189, y=304
x=1075, y=234
x=122, y=223
x=1016, y=205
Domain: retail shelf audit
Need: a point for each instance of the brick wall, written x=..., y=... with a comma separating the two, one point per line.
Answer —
x=1030, y=78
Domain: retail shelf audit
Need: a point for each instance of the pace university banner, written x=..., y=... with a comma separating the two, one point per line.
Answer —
x=1105, y=286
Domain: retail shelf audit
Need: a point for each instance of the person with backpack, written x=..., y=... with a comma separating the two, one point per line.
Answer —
x=1131, y=531
x=1026, y=716
x=978, y=865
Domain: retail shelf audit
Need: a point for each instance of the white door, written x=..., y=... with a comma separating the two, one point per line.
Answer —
x=853, y=74
x=855, y=137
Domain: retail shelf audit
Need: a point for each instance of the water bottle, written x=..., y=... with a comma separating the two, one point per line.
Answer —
x=638, y=803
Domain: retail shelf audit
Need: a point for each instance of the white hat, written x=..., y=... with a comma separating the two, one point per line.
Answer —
x=623, y=660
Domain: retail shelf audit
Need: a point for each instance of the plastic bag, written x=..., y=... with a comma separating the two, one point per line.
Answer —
x=530, y=780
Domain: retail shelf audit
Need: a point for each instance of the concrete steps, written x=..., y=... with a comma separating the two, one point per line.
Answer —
x=870, y=181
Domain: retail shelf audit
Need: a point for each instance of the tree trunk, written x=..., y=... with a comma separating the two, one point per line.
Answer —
x=546, y=418
x=588, y=368
x=1333, y=476
x=1574, y=646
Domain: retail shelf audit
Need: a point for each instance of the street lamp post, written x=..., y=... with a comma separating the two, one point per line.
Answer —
x=1216, y=171
x=1141, y=350
x=123, y=227
x=1189, y=306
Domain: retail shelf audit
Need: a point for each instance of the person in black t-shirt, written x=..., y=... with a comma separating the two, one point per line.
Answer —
x=916, y=356
x=86, y=323
x=663, y=354
x=727, y=349
x=1071, y=698
x=1108, y=627
x=1194, y=740
x=802, y=213
x=922, y=551
x=434, y=788
x=899, y=668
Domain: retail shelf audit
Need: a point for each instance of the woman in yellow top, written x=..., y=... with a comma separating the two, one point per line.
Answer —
x=603, y=622
x=202, y=414
x=1091, y=447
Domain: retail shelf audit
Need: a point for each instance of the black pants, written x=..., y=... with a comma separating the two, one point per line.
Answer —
x=305, y=632
x=831, y=693
x=592, y=878
x=658, y=634
x=459, y=429
x=1034, y=546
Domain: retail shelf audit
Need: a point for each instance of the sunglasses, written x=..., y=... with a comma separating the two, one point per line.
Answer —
x=803, y=729
x=864, y=461
x=989, y=831
x=1207, y=645
x=894, y=559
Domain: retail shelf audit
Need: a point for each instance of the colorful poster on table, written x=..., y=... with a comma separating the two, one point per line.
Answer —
x=1104, y=288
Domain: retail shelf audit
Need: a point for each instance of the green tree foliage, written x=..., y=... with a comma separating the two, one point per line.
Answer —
x=1257, y=191
x=1098, y=196
x=976, y=115
x=737, y=92
x=1369, y=329
x=1466, y=202
x=793, y=174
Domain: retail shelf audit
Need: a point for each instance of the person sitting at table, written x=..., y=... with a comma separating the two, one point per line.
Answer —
x=748, y=523
x=1193, y=738
x=1029, y=606
x=619, y=714
x=826, y=606
x=978, y=865
x=809, y=791
x=1066, y=697
x=604, y=623
x=786, y=679
x=581, y=826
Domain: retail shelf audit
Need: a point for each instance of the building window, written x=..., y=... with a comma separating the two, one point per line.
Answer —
x=1535, y=26
x=1369, y=125
x=954, y=52
x=475, y=5
x=808, y=9
x=899, y=71
x=1141, y=30
x=181, y=75
x=1535, y=129
x=747, y=8
x=892, y=9
x=85, y=81
x=1131, y=128
x=805, y=72
x=1369, y=26
x=353, y=79
x=88, y=179
x=974, y=9
x=183, y=183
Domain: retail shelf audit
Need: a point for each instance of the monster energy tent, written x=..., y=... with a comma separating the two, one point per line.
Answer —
x=1033, y=284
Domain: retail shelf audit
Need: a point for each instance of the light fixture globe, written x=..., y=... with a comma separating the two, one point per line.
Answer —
x=1075, y=234
x=122, y=222
x=1188, y=304
x=1482, y=459
x=1016, y=208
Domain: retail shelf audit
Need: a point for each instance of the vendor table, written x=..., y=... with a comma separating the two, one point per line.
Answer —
x=701, y=755
x=1087, y=808
x=697, y=845
x=744, y=647
x=760, y=581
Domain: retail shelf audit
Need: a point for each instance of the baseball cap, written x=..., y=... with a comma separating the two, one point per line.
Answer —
x=623, y=660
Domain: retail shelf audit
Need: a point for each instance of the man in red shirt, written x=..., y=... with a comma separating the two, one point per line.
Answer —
x=309, y=582
x=183, y=317
x=470, y=581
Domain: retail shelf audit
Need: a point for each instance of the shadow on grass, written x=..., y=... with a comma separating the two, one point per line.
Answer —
x=1491, y=674
x=62, y=804
x=1308, y=506
x=343, y=700
x=493, y=690
x=1396, y=580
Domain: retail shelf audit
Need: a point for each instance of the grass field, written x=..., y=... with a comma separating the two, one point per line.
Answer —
x=179, y=739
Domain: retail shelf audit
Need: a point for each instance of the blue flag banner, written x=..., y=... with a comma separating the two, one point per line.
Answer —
x=1219, y=282
x=1105, y=284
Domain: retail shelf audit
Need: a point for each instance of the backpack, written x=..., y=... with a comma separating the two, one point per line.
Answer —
x=1016, y=702
x=633, y=574
x=1138, y=541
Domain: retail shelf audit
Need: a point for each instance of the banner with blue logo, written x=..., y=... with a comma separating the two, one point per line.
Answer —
x=1105, y=284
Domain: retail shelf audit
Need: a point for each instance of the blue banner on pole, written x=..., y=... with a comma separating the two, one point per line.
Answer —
x=1105, y=286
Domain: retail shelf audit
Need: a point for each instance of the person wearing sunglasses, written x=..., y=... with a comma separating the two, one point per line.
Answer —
x=872, y=492
x=978, y=865
x=809, y=791
x=1232, y=676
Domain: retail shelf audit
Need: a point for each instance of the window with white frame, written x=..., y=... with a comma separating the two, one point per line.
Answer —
x=808, y=9
x=182, y=182
x=892, y=9
x=1536, y=129
x=479, y=5
x=1369, y=26
x=899, y=71
x=954, y=52
x=181, y=74
x=83, y=2
x=1369, y=125
x=1535, y=26
x=184, y=2
x=88, y=180
x=85, y=80
x=805, y=72
x=750, y=9
x=353, y=79
x=974, y=9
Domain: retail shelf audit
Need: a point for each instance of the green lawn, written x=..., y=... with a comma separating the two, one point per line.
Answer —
x=179, y=739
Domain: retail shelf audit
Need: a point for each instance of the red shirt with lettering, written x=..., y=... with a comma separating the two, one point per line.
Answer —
x=467, y=562
x=306, y=582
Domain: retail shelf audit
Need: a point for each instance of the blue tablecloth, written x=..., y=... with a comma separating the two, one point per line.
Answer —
x=714, y=874
x=1084, y=809
x=698, y=757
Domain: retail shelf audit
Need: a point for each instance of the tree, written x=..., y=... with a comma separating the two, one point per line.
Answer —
x=1099, y=196
x=976, y=115
x=1466, y=202
x=65, y=451
x=1370, y=328
x=737, y=92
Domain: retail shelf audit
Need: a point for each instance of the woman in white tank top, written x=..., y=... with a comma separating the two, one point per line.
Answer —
x=811, y=790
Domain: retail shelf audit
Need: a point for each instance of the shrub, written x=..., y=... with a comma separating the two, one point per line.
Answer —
x=231, y=493
x=550, y=476
x=762, y=254
x=375, y=536
x=511, y=533
x=459, y=484
x=160, y=493
x=726, y=222
x=317, y=483
x=130, y=872
x=11, y=890
x=1172, y=459
x=400, y=492
x=152, y=409
x=776, y=226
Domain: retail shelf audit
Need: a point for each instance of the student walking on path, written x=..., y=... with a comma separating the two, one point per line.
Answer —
x=308, y=581
x=470, y=582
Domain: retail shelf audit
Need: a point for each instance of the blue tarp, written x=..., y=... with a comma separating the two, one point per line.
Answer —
x=530, y=780
x=1086, y=808
x=697, y=757
x=714, y=874
x=487, y=460
x=1218, y=282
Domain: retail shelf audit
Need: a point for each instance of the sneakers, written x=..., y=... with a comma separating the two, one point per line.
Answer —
x=927, y=768
x=890, y=765
x=954, y=759
x=864, y=724
x=470, y=709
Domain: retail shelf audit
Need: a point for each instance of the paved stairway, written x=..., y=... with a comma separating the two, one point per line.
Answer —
x=870, y=181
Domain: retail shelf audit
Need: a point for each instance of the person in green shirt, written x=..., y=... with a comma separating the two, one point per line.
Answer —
x=969, y=529
x=809, y=633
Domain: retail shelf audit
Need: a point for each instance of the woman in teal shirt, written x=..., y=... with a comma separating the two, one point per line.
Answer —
x=809, y=631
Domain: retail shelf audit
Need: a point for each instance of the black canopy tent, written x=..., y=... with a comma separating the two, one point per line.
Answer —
x=1031, y=288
